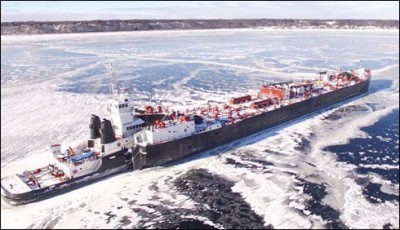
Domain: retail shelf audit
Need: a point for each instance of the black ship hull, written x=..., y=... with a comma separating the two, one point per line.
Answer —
x=111, y=164
x=159, y=154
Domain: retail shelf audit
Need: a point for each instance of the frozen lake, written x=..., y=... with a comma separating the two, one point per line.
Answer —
x=331, y=169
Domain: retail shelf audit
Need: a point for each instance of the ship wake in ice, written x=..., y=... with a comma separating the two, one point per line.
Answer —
x=334, y=168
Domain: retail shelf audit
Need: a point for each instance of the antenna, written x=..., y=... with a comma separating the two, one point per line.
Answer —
x=112, y=86
x=150, y=96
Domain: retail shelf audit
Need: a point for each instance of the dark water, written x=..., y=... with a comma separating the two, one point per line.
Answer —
x=381, y=148
x=316, y=206
x=214, y=200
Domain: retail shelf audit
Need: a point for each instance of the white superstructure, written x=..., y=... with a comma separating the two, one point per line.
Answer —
x=172, y=130
x=109, y=141
x=121, y=112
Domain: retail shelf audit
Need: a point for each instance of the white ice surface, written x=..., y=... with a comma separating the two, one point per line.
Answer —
x=34, y=115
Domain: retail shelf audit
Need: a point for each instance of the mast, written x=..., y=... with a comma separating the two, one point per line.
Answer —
x=113, y=90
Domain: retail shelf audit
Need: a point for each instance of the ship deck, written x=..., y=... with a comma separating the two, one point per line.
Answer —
x=227, y=114
x=32, y=180
x=15, y=185
x=45, y=178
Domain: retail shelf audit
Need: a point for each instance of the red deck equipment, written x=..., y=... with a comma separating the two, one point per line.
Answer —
x=238, y=100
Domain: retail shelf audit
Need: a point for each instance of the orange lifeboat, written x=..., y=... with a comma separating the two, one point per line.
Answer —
x=184, y=118
x=149, y=109
x=159, y=124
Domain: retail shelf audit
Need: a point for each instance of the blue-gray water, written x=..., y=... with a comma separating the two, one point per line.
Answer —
x=381, y=148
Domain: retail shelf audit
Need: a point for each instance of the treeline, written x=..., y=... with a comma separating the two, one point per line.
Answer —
x=33, y=27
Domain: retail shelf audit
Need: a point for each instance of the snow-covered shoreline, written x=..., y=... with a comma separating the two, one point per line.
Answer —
x=182, y=32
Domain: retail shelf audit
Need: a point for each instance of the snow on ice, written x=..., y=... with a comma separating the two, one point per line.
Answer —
x=50, y=84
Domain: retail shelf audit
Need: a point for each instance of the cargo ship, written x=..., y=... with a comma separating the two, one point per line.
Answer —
x=204, y=128
x=138, y=138
x=106, y=152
